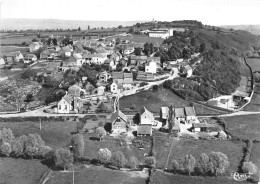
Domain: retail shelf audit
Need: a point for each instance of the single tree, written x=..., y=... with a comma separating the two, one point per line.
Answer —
x=175, y=165
x=19, y=146
x=78, y=145
x=170, y=119
x=249, y=167
x=189, y=163
x=101, y=132
x=104, y=155
x=43, y=151
x=118, y=159
x=79, y=29
x=218, y=163
x=63, y=158
x=6, y=135
x=203, y=163
x=150, y=161
x=202, y=47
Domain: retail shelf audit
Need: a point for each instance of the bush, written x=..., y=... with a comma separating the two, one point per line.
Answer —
x=63, y=158
x=118, y=159
x=248, y=150
x=218, y=163
x=6, y=135
x=33, y=144
x=101, y=132
x=150, y=162
x=104, y=155
x=19, y=146
x=28, y=74
x=203, y=163
x=134, y=162
x=31, y=151
x=5, y=149
x=44, y=151
x=249, y=167
x=78, y=144
x=175, y=165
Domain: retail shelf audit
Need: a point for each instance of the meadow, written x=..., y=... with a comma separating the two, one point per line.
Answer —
x=254, y=105
x=6, y=49
x=17, y=171
x=244, y=127
x=254, y=63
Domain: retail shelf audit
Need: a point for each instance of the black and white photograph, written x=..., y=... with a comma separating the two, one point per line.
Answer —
x=129, y=92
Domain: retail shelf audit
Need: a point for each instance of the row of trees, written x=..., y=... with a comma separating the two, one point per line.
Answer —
x=31, y=146
x=215, y=164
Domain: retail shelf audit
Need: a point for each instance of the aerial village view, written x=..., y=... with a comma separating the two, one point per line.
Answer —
x=100, y=97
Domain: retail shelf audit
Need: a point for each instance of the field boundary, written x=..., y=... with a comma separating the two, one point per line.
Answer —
x=45, y=177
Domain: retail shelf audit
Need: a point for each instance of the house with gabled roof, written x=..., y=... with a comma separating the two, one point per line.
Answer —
x=30, y=57
x=15, y=56
x=95, y=58
x=151, y=67
x=65, y=51
x=144, y=130
x=76, y=59
x=146, y=117
x=118, y=122
x=79, y=49
x=179, y=114
x=187, y=70
x=65, y=105
x=190, y=113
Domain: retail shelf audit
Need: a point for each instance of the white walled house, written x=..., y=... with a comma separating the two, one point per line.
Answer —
x=95, y=58
x=146, y=117
x=151, y=67
x=65, y=104
x=77, y=59
x=113, y=87
x=187, y=70
x=30, y=57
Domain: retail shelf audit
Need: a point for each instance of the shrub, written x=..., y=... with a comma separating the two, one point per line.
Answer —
x=101, y=132
x=203, y=163
x=134, y=162
x=6, y=135
x=78, y=145
x=150, y=162
x=5, y=149
x=44, y=151
x=29, y=73
x=118, y=159
x=104, y=155
x=175, y=165
x=218, y=163
x=33, y=144
x=80, y=125
x=19, y=146
x=189, y=163
x=248, y=150
x=63, y=158
x=249, y=167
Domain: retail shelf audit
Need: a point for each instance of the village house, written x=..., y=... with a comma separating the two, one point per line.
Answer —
x=146, y=117
x=137, y=60
x=95, y=58
x=65, y=105
x=75, y=91
x=48, y=54
x=115, y=56
x=122, y=78
x=103, y=76
x=14, y=56
x=179, y=114
x=76, y=59
x=118, y=122
x=2, y=61
x=203, y=127
x=190, y=113
x=113, y=88
x=164, y=113
x=187, y=70
x=78, y=49
x=30, y=58
x=151, y=67
x=110, y=63
x=34, y=46
x=129, y=50
x=65, y=51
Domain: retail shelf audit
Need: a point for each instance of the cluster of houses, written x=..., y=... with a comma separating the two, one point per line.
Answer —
x=121, y=123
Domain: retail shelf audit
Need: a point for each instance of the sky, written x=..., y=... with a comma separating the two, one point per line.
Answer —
x=211, y=12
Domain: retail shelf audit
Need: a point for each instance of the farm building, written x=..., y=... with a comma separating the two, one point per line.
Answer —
x=144, y=130
x=146, y=117
x=30, y=57
x=65, y=104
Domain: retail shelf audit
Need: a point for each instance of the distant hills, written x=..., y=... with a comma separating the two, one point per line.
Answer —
x=21, y=24
x=254, y=29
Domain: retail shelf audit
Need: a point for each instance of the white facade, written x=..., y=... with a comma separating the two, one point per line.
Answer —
x=67, y=54
x=98, y=60
x=151, y=67
x=113, y=88
x=64, y=106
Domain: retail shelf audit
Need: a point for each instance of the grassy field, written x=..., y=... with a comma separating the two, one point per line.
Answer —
x=234, y=150
x=55, y=133
x=254, y=63
x=17, y=171
x=92, y=145
x=97, y=175
x=152, y=100
x=255, y=101
x=17, y=40
x=6, y=49
x=255, y=154
x=163, y=178
x=245, y=127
